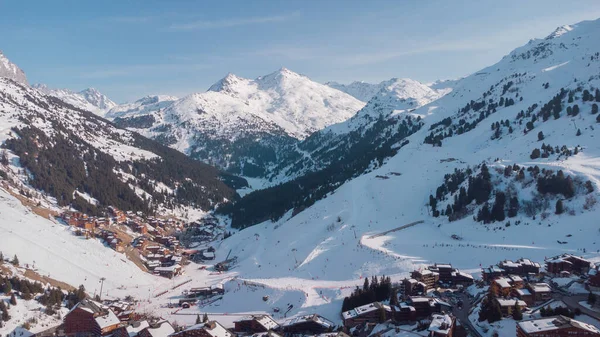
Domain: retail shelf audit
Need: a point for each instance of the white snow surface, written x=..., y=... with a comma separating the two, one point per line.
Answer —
x=143, y=106
x=89, y=99
x=11, y=70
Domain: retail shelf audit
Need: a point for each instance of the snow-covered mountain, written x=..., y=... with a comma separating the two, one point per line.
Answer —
x=410, y=89
x=69, y=152
x=360, y=90
x=378, y=122
x=143, y=106
x=543, y=96
x=11, y=70
x=240, y=124
x=89, y=99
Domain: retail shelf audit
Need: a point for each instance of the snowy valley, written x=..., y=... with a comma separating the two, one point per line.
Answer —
x=357, y=181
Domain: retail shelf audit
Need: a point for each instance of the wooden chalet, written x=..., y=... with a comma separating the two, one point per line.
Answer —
x=508, y=305
x=441, y=325
x=255, y=324
x=540, y=292
x=208, y=329
x=567, y=263
x=368, y=313
x=557, y=326
x=90, y=319
x=309, y=324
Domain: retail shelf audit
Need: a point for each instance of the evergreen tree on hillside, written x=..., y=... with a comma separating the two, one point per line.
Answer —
x=205, y=318
x=594, y=109
x=540, y=135
x=13, y=299
x=513, y=207
x=559, y=207
x=15, y=261
x=198, y=321
x=578, y=132
x=498, y=208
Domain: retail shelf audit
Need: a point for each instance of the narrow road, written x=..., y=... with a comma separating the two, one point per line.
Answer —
x=462, y=315
x=396, y=229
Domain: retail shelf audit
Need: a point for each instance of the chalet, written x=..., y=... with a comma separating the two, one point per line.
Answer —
x=521, y=267
x=425, y=306
x=160, y=329
x=168, y=272
x=501, y=286
x=207, y=256
x=559, y=326
x=368, y=313
x=441, y=325
x=460, y=278
x=208, y=329
x=412, y=287
x=213, y=290
x=445, y=272
x=523, y=295
x=309, y=324
x=90, y=319
x=507, y=305
x=567, y=263
x=427, y=277
x=594, y=278
x=256, y=323
x=491, y=273
x=540, y=292
x=405, y=313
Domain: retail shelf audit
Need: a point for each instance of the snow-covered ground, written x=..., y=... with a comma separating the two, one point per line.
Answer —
x=314, y=259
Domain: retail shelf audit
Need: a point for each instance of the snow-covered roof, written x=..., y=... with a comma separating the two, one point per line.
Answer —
x=363, y=309
x=107, y=320
x=213, y=328
x=515, y=278
x=134, y=329
x=503, y=282
x=440, y=323
x=540, y=287
x=510, y=302
x=523, y=292
x=307, y=318
x=169, y=268
x=555, y=323
x=162, y=329
x=267, y=322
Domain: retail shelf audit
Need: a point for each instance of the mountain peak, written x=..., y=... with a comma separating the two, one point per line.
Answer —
x=559, y=31
x=226, y=82
x=11, y=70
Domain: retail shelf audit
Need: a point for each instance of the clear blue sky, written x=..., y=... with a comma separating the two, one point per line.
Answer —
x=128, y=49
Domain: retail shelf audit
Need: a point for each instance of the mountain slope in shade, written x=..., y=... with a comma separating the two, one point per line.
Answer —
x=89, y=99
x=11, y=70
x=244, y=125
x=375, y=124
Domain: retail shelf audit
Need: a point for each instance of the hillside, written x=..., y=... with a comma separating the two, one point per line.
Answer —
x=485, y=119
x=244, y=126
x=87, y=163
